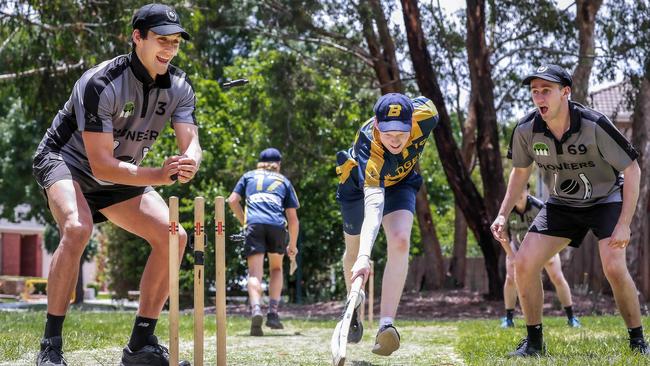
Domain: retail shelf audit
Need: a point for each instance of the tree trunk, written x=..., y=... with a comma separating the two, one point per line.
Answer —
x=586, y=11
x=639, y=251
x=434, y=274
x=480, y=70
x=458, y=261
x=388, y=75
x=464, y=190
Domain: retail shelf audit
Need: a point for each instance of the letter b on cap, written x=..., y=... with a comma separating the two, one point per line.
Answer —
x=394, y=110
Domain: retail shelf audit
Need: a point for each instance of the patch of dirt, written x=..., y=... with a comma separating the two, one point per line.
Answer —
x=447, y=304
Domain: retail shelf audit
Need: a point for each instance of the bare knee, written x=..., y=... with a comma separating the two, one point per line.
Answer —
x=400, y=243
x=510, y=279
x=75, y=235
x=615, y=272
x=523, y=266
x=275, y=271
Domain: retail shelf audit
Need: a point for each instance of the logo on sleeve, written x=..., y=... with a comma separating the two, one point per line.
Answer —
x=128, y=110
x=540, y=148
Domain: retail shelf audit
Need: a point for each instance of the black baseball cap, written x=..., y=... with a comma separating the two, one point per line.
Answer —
x=552, y=73
x=270, y=155
x=160, y=19
x=394, y=112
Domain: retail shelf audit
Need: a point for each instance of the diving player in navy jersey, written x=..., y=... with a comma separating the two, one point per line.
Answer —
x=377, y=186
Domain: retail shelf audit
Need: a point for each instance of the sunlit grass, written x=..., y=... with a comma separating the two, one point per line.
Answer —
x=97, y=338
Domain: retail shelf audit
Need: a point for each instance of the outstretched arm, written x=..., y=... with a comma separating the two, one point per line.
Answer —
x=373, y=213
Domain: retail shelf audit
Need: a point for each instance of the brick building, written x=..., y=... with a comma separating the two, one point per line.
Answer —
x=21, y=247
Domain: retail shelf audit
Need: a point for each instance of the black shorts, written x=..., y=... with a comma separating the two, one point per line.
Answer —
x=49, y=168
x=263, y=238
x=574, y=222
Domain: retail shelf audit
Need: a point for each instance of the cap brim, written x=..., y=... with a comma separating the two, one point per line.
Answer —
x=546, y=77
x=165, y=30
x=401, y=126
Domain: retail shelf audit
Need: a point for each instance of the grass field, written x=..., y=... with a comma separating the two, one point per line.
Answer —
x=98, y=338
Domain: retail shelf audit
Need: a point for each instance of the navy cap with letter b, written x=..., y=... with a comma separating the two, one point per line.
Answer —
x=552, y=73
x=394, y=112
x=160, y=19
x=270, y=155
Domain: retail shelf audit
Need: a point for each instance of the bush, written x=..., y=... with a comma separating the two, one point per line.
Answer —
x=94, y=286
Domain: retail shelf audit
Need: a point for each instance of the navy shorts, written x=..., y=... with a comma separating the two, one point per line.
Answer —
x=49, y=168
x=264, y=238
x=351, y=200
x=574, y=222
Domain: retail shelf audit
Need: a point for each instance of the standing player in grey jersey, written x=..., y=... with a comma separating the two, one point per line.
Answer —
x=524, y=212
x=583, y=159
x=88, y=166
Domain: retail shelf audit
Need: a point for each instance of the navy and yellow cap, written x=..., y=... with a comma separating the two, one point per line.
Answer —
x=270, y=155
x=160, y=19
x=394, y=112
x=552, y=73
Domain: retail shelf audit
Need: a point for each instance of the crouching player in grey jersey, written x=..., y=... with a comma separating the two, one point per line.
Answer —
x=583, y=159
x=88, y=165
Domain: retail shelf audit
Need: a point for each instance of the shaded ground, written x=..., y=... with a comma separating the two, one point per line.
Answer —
x=447, y=305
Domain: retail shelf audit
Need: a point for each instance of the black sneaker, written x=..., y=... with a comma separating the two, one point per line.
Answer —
x=273, y=321
x=639, y=345
x=256, y=324
x=525, y=349
x=153, y=354
x=51, y=353
x=356, y=328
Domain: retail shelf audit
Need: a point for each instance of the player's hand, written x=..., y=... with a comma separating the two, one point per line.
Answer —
x=620, y=237
x=187, y=168
x=361, y=268
x=497, y=229
x=292, y=251
x=169, y=170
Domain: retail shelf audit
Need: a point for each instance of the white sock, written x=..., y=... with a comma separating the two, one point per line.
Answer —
x=385, y=320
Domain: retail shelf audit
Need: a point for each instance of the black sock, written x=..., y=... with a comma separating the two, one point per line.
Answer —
x=142, y=329
x=53, y=325
x=635, y=333
x=535, y=336
x=510, y=313
x=569, y=311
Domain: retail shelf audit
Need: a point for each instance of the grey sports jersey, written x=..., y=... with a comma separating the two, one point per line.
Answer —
x=583, y=168
x=518, y=223
x=119, y=96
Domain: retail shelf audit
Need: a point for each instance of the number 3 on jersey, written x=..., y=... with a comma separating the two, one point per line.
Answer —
x=270, y=188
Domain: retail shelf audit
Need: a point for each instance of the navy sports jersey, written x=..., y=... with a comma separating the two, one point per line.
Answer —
x=267, y=195
x=368, y=164
x=584, y=167
x=519, y=222
x=119, y=96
